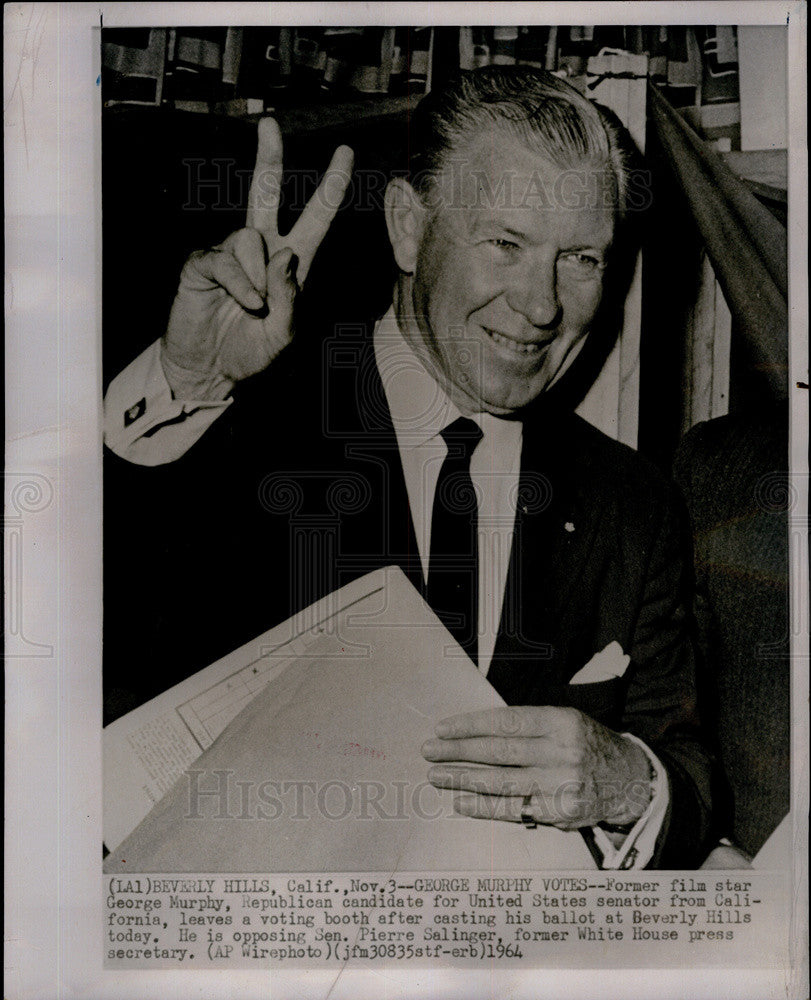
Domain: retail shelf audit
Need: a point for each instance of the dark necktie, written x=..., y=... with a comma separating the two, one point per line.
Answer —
x=453, y=568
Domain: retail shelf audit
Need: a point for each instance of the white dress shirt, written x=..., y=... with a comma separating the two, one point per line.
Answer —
x=144, y=424
x=420, y=411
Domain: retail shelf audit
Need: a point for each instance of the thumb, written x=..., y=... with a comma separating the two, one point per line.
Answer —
x=281, y=290
x=281, y=275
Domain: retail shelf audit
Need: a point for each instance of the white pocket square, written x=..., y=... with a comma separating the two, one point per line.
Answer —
x=611, y=662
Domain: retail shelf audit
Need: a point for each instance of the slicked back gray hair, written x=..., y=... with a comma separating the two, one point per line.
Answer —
x=538, y=108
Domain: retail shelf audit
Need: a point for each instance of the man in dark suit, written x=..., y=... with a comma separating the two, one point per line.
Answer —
x=732, y=473
x=554, y=555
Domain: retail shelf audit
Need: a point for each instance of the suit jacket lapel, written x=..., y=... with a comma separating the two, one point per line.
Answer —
x=377, y=530
x=554, y=532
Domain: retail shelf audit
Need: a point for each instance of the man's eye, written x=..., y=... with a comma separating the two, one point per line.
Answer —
x=503, y=244
x=583, y=264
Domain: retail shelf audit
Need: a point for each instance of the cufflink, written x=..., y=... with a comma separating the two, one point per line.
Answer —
x=135, y=412
x=629, y=860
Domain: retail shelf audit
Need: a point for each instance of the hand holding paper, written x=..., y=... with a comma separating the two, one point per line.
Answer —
x=578, y=772
x=312, y=735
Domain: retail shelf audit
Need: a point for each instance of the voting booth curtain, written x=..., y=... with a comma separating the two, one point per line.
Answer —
x=746, y=244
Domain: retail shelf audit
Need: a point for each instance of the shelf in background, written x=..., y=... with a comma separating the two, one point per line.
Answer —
x=314, y=117
x=310, y=118
x=764, y=170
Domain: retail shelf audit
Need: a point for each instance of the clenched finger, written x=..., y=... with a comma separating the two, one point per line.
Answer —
x=315, y=220
x=220, y=267
x=266, y=185
x=281, y=282
x=248, y=246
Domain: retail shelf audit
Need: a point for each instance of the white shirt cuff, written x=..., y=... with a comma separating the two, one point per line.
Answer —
x=638, y=847
x=143, y=423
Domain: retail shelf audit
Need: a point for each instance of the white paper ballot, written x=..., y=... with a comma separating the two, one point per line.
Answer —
x=321, y=769
x=149, y=749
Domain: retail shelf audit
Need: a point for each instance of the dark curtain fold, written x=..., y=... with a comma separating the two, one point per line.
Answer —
x=746, y=244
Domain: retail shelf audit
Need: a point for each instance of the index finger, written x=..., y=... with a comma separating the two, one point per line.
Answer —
x=266, y=185
x=507, y=721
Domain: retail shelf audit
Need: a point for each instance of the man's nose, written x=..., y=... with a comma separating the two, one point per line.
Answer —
x=534, y=294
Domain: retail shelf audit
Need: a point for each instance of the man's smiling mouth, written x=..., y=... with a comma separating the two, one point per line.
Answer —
x=517, y=347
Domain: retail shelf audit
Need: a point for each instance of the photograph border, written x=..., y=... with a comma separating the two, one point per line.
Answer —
x=53, y=510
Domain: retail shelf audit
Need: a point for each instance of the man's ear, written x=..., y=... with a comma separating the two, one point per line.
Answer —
x=405, y=218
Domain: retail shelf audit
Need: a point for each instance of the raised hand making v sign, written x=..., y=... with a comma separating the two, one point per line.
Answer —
x=233, y=312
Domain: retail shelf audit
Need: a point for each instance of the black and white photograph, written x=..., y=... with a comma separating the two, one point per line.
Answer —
x=442, y=468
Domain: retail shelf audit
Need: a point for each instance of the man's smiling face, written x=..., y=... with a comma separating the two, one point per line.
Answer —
x=509, y=272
